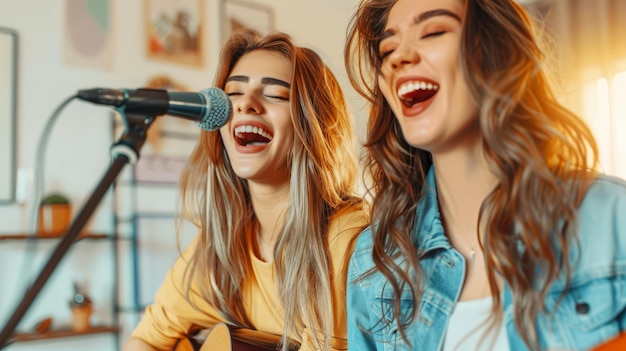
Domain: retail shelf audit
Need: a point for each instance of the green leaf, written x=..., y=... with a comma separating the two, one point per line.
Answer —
x=55, y=199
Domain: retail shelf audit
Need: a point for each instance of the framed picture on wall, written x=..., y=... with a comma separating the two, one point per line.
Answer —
x=240, y=14
x=88, y=34
x=174, y=31
x=8, y=72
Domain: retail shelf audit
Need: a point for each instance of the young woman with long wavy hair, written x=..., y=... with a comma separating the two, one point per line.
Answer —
x=491, y=228
x=273, y=197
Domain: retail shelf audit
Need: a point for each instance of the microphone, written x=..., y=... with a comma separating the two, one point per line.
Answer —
x=210, y=108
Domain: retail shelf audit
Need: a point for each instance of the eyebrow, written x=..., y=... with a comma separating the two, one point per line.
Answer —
x=264, y=80
x=423, y=17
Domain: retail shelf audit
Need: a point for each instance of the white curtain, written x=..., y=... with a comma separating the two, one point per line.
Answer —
x=589, y=38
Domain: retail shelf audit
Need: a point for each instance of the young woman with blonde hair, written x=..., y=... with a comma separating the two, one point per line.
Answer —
x=273, y=196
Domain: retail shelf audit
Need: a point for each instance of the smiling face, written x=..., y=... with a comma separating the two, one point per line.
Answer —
x=259, y=137
x=421, y=77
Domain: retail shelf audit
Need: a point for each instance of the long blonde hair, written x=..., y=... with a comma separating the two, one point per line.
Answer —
x=323, y=176
x=542, y=154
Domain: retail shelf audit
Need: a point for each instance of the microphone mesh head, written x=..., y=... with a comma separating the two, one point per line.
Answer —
x=219, y=109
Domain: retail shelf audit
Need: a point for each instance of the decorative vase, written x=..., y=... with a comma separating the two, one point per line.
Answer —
x=81, y=314
x=80, y=304
x=54, y=220
x=55, y=214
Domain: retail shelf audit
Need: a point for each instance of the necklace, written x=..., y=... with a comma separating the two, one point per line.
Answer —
x=472, y=255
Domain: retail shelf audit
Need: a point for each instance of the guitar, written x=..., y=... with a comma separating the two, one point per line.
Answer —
x=616, y=344
x=223, y=337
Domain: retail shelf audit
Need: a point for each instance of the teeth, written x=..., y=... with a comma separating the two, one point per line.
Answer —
x=252, y=129
x=416, y=85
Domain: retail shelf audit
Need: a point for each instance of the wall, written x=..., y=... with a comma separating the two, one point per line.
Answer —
x=78, y=149
x=76, y=160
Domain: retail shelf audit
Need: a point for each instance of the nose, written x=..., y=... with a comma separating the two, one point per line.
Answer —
x=405, y=54
x=248, y=103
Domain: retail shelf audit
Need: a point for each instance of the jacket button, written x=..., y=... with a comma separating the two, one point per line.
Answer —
x=582, y=308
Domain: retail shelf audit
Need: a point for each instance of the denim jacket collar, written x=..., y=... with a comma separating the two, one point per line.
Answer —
x=428, y=233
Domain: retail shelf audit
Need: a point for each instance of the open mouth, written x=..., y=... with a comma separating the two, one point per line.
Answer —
x=414, y=92
x=248, y=135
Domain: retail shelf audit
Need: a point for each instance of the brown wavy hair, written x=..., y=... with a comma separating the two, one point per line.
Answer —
x=323, y=179
x=542, y=154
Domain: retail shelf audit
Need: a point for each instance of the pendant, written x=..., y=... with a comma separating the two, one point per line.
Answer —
x=472, y=255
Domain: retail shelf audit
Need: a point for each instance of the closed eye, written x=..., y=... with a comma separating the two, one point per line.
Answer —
x=277, y=97
x=383, y=55
x=433, y=34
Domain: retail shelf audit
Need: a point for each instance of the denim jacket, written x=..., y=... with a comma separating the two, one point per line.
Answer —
x=592, y=310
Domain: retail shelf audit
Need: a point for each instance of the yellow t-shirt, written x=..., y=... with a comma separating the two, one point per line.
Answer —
x=171, y=317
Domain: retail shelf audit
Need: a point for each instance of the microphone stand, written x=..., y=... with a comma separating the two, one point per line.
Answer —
x=124, y=151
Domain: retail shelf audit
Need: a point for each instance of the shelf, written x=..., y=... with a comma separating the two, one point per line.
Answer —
x=147, y=183
x=131, y=309
x=146, y=215
x=61, y=333
x=35, y=237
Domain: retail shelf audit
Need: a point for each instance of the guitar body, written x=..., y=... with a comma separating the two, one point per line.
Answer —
x=218, y=339
x=225, y=338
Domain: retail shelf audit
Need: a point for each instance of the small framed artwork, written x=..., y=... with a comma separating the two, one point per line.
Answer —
x=88, y=34
x=174, y=31
x=153, y=168
x=239, y=14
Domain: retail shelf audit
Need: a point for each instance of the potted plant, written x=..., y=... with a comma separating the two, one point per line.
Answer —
x=81, y=307
x=55, y=214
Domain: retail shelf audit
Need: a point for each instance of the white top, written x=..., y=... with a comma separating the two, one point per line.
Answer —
x=468, y=328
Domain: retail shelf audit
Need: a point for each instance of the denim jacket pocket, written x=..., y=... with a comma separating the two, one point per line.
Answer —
x=388, y=334
x=587, y=314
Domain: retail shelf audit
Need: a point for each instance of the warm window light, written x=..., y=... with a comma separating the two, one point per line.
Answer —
x=604, y=107
x=619, y=123
x=602, y=124
x=602, y=97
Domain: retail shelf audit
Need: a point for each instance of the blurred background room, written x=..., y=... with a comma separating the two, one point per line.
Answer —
x=54, y=149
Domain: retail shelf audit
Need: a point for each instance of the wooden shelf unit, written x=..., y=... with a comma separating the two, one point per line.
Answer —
x=60, y=333
x=63, y=332
x=36, y=237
